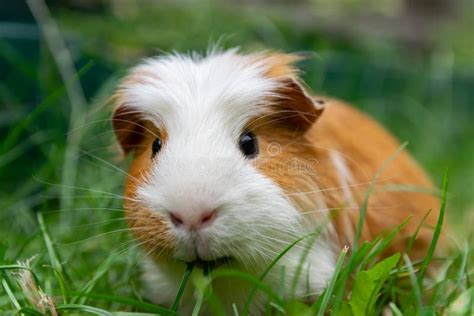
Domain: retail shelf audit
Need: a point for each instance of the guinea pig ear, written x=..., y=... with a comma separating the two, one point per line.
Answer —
x=128, y=127
x=295, y=106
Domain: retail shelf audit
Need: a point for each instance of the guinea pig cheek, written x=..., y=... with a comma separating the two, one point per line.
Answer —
x=148, y=227
x=290, y=163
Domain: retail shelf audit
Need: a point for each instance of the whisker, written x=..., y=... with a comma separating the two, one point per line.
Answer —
x=325, y=210
x=84, y=209
x=110, y=165
x=81, y=188
x=96, y=224
x=335, y=188
x=123, y=230
x=80, y=196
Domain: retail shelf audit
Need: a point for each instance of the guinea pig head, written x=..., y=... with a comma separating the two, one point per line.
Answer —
x=218, y=146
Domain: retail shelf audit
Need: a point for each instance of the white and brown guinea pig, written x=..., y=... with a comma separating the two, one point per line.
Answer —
x=234, y=160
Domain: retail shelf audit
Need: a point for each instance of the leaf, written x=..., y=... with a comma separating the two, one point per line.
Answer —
x=344, y=310
x=368, y=284
x=296, y=308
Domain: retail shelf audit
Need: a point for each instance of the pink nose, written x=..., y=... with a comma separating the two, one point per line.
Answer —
x=194, y=220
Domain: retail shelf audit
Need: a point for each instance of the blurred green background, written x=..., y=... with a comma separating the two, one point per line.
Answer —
x=409, y=63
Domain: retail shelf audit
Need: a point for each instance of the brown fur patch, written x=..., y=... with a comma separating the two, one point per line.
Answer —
x=364, y=145
x=291, y=104
x=148, y=227
x=130, y=128
x=136, y=135
x=278, y=65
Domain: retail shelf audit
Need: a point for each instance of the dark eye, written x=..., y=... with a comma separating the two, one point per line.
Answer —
x=155, y=148
x=248, y=144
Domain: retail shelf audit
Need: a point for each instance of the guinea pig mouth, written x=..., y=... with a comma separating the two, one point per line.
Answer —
x=211, y=264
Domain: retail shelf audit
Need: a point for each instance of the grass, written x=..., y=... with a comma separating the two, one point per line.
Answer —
x=375, y=286
x=73, y=227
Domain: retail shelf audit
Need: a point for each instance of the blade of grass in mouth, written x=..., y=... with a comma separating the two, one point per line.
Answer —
x=182, y=285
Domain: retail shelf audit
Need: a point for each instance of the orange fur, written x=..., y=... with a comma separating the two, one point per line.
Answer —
x=138, y=135
x=278, y=65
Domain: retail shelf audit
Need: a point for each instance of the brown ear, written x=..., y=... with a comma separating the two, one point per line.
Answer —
x=295, y=107
x=128, y=128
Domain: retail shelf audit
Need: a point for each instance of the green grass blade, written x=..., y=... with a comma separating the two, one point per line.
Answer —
x=182, y=286
x=199, y=303
x=131, y=314
x=83, y=308
x=29, y=311
x=362, y=213
x=462, y=273
x=99, y=273
x=395, y=310
x=463, y=304
x=281, y=282
x=271, y=265
x=351, y=267
x=412, y=239
x=148, y=307
x=53, y=257
x=329, y=290
x=227, y=273
x=16, y=266
x=202, y=286
x=299, y=268
x=363, y=251
x=10, y=294
x=365, y=203
x=437, y=231
x=415, y=285
x=217, y=307
x=384, y=243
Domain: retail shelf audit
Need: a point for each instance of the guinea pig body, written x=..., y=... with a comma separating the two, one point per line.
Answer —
x=234, y=161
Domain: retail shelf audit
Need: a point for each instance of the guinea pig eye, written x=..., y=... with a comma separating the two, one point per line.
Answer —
x=155, y=148
x=248, y=144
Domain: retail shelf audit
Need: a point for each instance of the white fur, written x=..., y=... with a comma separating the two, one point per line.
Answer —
x=346, y=180
x=204, y=104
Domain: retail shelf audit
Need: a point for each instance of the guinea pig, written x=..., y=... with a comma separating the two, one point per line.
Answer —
x=233, y=160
